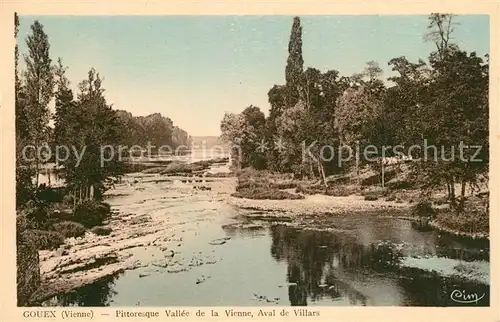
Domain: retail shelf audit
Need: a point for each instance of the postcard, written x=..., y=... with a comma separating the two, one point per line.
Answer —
x=251, y=161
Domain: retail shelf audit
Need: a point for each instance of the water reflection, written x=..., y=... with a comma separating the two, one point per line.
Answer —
x=345, y=267
x=358, y=262
x=99, y=293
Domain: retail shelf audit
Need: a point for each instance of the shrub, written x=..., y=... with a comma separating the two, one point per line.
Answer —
x=22, y=223
x=69, y=229
x=154, y=170
x=403, y=184
x=371, y=197
x=471, y=221
x=270, y=194
x=283, y=185
x=310, y=189
x=390, y=198
x=37, y=213
x=340, y=191
x=377, y=192
x=50, y=195
x=91, y=213
x=43, y=239
x=101, y=230
x=219, y=175
x=423, y=209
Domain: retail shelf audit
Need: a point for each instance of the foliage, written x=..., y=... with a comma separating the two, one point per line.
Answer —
x=69, y=229
x=101, y=230
x=154, y=129
x=263, y=193
x=423, y=209
x=294, y=66
x=441, y=102
x=91, y=213
x=254, y=184
x=44, y=239
x=470, y=221
x=246, y=132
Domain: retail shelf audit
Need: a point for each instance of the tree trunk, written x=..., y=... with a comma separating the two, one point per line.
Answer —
x=452, y=190
x=357, y=168
x=36, y=174
x=322, y=173
x=462, y=194
x=383, y=174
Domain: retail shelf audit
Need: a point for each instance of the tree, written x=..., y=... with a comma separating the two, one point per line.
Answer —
x=64, y=106
x=246, y=134
x=372, y=70
x=24, y=185
x=294, y=67
x=358, y=118
x=39, y=83
x=440, y=30
x=95, y=131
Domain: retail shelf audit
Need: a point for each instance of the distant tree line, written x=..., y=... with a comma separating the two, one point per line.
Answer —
x=155, y=129
x=443, y=101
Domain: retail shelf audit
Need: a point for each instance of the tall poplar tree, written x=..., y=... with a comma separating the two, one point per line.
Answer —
x=39, y=87
x=295, y=63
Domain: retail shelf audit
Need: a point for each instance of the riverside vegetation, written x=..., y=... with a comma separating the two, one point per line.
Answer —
x=47, y=215
x=444, y=101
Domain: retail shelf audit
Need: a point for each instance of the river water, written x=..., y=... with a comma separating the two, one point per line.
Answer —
x=351, y=261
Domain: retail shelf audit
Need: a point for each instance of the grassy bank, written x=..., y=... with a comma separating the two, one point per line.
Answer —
x=472, y=221
x=253, y=184
x=47, y=225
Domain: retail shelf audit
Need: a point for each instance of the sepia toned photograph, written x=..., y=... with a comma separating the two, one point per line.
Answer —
x=252, y=161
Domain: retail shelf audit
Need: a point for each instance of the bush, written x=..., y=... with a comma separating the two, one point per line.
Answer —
x=371, y=197
x=69, y=229
x=283, y=185
x=390, y=198
x=43, y=239
x=375, y=192
x=101, y=230
x=255, y=184
x=403, y=184
x=154, y=170
x=22, y=223
x=335, y=191
x=37, y=213
x=470, y=221
x=340, y=191
x=219, y=175
x=91, y=213
x=50, y=195
x=270, y=194
x=310, y=189
x=423, y=209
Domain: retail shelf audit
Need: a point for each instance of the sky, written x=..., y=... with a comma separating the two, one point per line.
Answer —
x=193, y=69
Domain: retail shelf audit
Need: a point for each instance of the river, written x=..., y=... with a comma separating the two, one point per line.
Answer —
x=227, y=256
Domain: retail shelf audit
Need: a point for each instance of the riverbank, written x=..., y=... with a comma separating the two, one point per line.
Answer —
x=149, y=229
x=283, y=196
x=137, y=228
